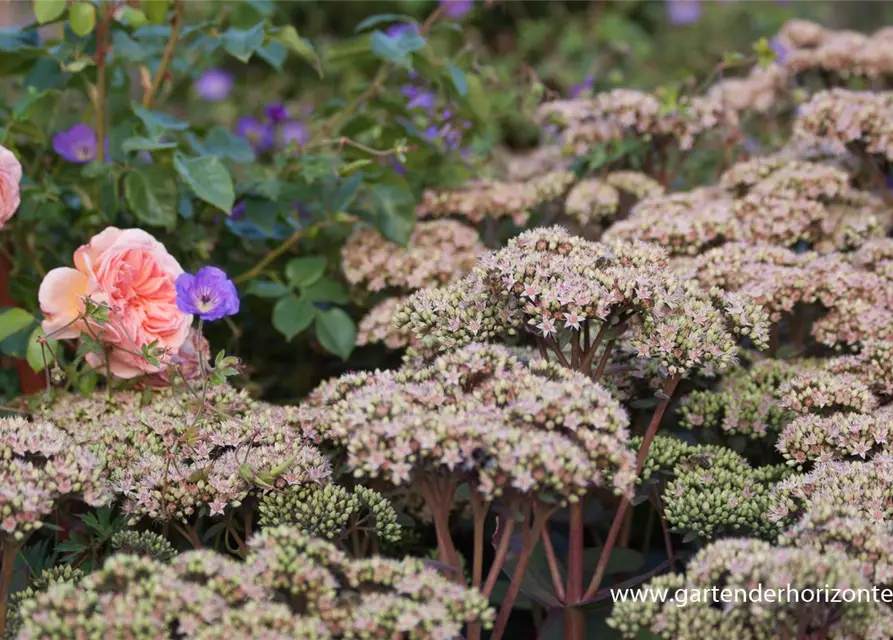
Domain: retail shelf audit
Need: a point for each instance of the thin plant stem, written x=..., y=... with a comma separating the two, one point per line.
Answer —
x=600, y=369
x=499, y=559
x=575, y=553
x=664, y=525
x=552, y=560
x=102, y=32
x=479, y=509
x=166, y=55
x=10, y=551
x=620, y=515
x=531, y=535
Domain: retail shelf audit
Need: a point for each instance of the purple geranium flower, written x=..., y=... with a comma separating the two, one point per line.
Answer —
x=683, y=11
x=214, y=85
x=258, y=134
x=276, y=113
x=781, y=51
x=578, y=89
x=293, y=132
x=238, y=211
x=209, y=294
x=77, y=145
x=418, y=98
x=456, y=9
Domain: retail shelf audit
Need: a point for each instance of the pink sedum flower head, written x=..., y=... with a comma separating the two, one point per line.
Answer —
x=10, y=176
x=132, y=274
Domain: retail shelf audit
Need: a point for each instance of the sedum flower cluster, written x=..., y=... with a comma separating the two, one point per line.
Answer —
x=747, y=401
x=378, y=325
x=143, y=543
x=290, y=586
x=43, y=581
x=600, y=200
x=330, y=511
x=481, y=414
x=851, y=119
x=548, y=282
x=171, y=460
x=493, y=199
x=619, y=113
x=41, y=464
x=741, y=564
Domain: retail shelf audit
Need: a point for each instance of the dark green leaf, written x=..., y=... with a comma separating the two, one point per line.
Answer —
x=274, y=53
x=394, y=209
x=477, y=98
x=537, y=581
x=151, y=192
x=621, y=561
x=242, y=43
x=336, y=332
x=208, y=178
x=326, y=290
x=304, y=271
x=267, y=289
x=225, y=144
x=291, y=315
x=156, y=122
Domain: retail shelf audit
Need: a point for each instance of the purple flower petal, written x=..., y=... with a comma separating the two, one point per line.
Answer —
x=258, y=134
x=276, y=113
x=209, y=294
x=293, y=132
x=77, y=145
x=214, y=85
x=456, y=9
x=683, y=11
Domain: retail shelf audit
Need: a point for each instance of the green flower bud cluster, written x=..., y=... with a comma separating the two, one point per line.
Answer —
x=327, y=510
x=715, y=491
x=44, y=580
x=697, y=606
x=143, y=543
x=747, y=401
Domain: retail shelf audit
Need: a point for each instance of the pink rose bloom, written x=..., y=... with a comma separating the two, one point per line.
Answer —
x=10, y=176
x=133, y=274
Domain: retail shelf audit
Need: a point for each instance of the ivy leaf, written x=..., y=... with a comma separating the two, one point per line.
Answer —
x=291, y=315
x=304, y=271
x=48, y=10
x=242, y=43
x=336, y=332
x=12, y=321
x=151, y=192
x=82, y=18
x=208, y=178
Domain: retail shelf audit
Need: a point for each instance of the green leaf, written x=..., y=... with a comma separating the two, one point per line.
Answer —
x=82, y=18
x=48, y=10
x=130, y=17
x=478, y=101
x=376, y=20
x=242, y=43
x=155, y=10
x=274, y=52
x=300, y=46
x=394, y=209
x=151, y=193
x=326, y=290
x=225, y=144
x=37, y=354
x=267, y=289
x=12, y=321
x=459, y=79
x=291, y=315
x=210, y=180
x=304, y=271
x=156, y=122
x=621, y=560
x=336, y=332
x=138, y=143
x=397, y=48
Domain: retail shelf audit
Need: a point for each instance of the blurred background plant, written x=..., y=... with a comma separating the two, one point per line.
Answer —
x=260, y=135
